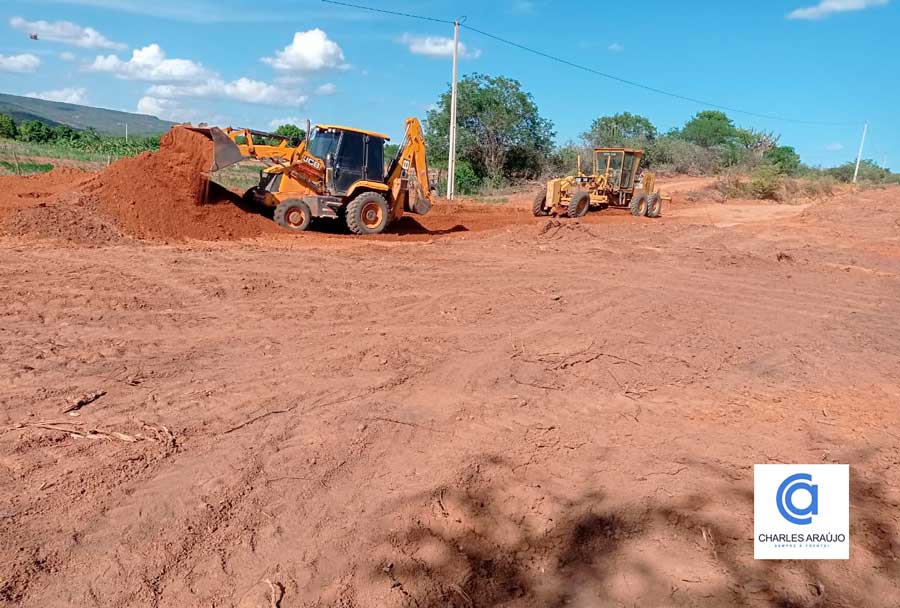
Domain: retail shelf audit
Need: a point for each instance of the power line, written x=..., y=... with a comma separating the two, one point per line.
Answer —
x=590, y=70
x=387, y=12
x=649, y=88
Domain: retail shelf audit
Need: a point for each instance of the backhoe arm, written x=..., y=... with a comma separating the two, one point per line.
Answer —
x=418, y=198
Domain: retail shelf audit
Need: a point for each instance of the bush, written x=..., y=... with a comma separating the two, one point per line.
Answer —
x=731, y=185
x=34, y=131
x=680, y=156
x=784, y=158
x=8, y=127
x=766, y=183
x=467, y=181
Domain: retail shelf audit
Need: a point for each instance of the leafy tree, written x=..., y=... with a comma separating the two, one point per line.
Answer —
x=619, y=130
x=869, y=171
x=785, y=159
x=757, y=141
x=35, y=131
x=8, y=127
x=64, y=133
x=500, y=133
x=390, y=151
x=294, y=133
x=709, y=128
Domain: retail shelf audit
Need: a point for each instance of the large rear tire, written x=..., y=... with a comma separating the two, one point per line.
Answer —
x=638, y=205
x=539, y=206
x=368, y=213
x=579, y=203
x=654, y=205
x=293, y=214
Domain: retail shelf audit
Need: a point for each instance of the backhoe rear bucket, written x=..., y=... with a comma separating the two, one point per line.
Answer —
x=225, y=151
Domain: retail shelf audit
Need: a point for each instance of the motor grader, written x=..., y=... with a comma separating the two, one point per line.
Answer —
x=616, y=181
x=337, y=172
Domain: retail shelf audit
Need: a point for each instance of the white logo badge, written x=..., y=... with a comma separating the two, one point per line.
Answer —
x=801, y=511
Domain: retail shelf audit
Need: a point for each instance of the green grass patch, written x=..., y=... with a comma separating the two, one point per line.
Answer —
x=26, y=167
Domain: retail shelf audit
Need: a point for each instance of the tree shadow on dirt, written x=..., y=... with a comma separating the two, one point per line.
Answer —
x=492, y=539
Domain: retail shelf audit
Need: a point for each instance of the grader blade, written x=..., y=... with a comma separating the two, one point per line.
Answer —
x=225, y=151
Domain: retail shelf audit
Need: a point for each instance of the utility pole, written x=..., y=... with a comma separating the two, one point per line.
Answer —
x=451, y=162
x=862, y=142
x=126, y=131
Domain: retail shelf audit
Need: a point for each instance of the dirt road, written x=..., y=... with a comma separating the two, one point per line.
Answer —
x=522, y=413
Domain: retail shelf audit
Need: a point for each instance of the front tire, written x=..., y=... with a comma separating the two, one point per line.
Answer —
x=579, y=204
x=539, y=206
x=293, y=214
x=654, y=205
x=368, y=213
x=638, y=205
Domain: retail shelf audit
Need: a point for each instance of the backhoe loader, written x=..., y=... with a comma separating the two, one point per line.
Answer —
x=338, y=172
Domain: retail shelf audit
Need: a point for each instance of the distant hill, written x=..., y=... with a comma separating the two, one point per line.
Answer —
x=55, y=113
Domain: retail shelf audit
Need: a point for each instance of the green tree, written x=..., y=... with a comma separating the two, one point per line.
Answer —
x=35, y=131
x=709, y=128
x=8, y=127
x=294, y=133
x=784, y=158
x=500, y=131
x=619, y=130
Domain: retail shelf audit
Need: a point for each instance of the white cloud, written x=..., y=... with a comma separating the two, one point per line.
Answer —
x=290, y=120
x=326, y=89
x=834, y=147
x=166, y=109
x=242, y=89
x=826, y=8
x=616, y=47
x=67, y=56
x=19, y=63
x=310, y=51
x=66, y=32
x=436, y=46
x=78, y=96
x=150, y=64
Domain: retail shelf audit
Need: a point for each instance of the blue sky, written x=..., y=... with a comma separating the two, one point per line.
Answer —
x=249, y=63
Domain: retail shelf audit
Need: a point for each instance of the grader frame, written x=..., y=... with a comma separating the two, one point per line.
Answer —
x=615, y=180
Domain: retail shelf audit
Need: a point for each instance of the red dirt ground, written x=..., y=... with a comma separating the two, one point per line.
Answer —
x=480, y=409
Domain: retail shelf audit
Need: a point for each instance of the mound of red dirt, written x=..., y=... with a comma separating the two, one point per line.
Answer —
x=165, y=194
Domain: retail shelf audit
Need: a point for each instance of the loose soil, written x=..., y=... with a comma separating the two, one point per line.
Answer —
x=479, y=409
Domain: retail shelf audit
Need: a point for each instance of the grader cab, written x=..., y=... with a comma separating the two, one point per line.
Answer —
x=615, y=180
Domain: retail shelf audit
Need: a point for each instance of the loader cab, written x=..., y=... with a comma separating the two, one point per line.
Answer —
x=350, y=155
x=620, y=165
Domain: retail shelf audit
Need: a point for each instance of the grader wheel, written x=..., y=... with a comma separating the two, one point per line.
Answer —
x=539, y=205
x=638, y=205
x=654, y=205
x=579, y=203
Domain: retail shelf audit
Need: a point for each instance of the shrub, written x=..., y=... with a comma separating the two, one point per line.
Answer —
x=467, y=181
x=785, y=159
x=766, y=183
x=731, y=185
x=8, y=127
x=680, y=156
x=34, y=131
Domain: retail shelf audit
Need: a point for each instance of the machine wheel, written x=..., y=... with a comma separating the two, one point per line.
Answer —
x=293, y=214
x=368, y=213
x=638, y=205
x=249, y=197
x=654, y=205
x=579, y=203
x=539, y=206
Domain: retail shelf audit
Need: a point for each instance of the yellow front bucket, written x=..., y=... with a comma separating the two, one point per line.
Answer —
x=225, y=151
